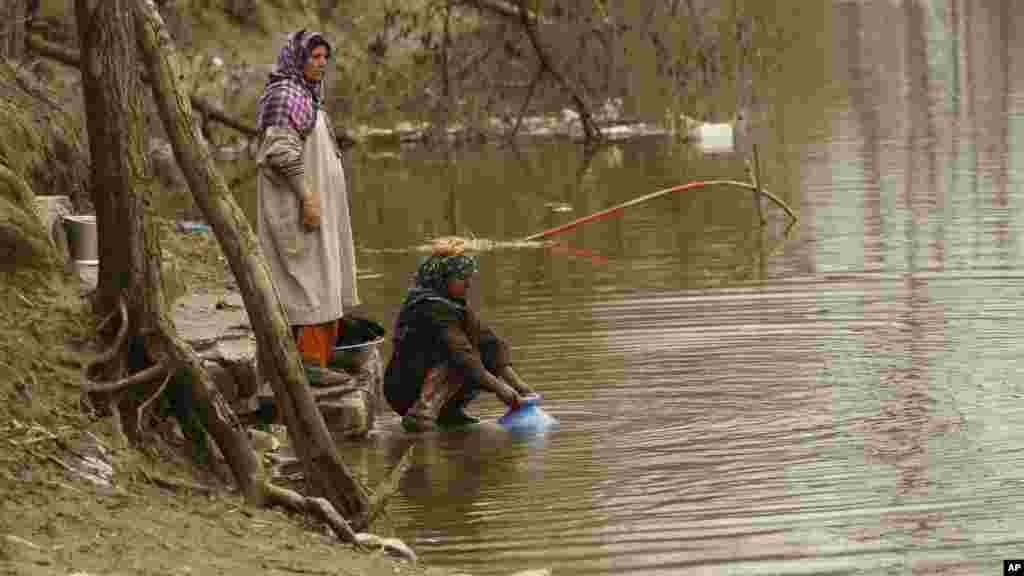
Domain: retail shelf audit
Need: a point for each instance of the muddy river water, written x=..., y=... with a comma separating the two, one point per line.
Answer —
x=845, y=396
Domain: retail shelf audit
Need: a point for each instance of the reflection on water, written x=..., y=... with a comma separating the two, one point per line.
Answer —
x=843, y=397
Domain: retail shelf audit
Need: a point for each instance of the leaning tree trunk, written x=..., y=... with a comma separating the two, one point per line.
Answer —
x=130, y=263
x=280, y=361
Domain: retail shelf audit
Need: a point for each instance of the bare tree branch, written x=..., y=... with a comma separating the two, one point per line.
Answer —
x=499, y=8
x=71, y=57
x=146, y=375
x=590, y=130
x=526, y=104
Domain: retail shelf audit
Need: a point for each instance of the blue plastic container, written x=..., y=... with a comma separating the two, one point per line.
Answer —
x=528, y=417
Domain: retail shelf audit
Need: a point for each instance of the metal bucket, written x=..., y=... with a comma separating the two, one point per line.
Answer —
x=82, y=239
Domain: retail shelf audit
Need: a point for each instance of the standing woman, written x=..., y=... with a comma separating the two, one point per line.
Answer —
x=303, y=216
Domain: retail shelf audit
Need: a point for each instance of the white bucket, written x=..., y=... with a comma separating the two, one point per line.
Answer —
x=82, y=239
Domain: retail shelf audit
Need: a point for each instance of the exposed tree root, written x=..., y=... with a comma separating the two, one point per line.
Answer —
x=119, y=340
x=175, y=485
x=141, y=377
x=140, y=413
x=322, y=509
x=117, y=423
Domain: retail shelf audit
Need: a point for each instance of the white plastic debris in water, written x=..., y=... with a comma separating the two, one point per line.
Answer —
x=714, y=138
x=558, y=206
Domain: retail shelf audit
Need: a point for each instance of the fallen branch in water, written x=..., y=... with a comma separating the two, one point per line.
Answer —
x=681, y=188
x=758, y=190
x=387, y=488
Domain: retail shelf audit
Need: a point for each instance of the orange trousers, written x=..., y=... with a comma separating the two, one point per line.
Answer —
x=316, y=341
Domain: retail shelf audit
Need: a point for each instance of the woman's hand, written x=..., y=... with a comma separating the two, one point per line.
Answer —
x=511, y=377
x=311, y=210
x=507, y=394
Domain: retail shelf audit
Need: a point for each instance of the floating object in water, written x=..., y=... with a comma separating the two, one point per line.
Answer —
x=558, y=206
x=714, y=137
x=528, y=417
x=710, y=137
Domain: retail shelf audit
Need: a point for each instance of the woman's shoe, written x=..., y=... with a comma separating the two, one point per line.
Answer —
x=411, y=423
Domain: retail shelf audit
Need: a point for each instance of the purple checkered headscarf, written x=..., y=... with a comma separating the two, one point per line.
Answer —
x=289, y=99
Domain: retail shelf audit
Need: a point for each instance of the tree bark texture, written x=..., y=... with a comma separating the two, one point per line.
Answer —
x=281, y=364
x=114, y=113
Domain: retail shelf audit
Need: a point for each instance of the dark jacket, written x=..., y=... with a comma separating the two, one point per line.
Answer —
x=433, y=332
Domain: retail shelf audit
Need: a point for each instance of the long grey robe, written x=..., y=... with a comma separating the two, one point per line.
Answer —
x=314, y=272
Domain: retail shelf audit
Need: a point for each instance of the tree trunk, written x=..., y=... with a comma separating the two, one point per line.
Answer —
x=130, y=263
x=281, y=363
x=12, y=31
x=113, y=103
